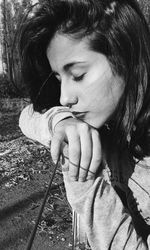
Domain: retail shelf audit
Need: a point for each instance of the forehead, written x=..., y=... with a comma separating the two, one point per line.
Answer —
x=64, y=49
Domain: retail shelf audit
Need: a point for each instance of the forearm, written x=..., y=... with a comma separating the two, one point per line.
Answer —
x=111, y=226
x=106, y=222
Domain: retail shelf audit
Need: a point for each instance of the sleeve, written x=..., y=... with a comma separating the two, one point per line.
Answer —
x=103, y=218
x=40, y=127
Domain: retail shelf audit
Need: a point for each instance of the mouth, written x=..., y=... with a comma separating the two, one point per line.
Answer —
x=79, y=115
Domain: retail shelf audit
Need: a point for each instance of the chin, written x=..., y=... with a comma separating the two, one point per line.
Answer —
x=95, y=124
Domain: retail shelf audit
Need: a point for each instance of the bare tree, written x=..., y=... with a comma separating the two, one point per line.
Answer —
x=12, y=15
x=145, y=6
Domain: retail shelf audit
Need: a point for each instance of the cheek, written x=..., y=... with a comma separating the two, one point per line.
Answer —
x=103, y=93
x=97, y=91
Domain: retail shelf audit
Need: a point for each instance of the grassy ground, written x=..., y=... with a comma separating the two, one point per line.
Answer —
x=25, y=169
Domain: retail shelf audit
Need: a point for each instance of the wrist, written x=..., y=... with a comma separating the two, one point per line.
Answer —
x=57, y=117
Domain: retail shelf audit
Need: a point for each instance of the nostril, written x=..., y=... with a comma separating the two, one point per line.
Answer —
x=69, y=106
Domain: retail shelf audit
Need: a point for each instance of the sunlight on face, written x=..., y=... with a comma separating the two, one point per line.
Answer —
x=88, y=85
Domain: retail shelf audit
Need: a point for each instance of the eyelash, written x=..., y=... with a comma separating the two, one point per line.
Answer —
x=75, y=78
x=78, y=78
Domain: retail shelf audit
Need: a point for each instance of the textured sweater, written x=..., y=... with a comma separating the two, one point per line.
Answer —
x=110, y=212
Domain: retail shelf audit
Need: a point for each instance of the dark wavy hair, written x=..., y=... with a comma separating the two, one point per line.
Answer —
x=116, y=29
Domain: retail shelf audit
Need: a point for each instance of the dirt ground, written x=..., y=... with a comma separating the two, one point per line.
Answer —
x=25, y=169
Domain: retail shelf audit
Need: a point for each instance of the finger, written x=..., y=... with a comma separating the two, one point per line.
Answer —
x=74, y=152
x=56, y=142
x=96, y=154
x=86, y=151
x=64, y=159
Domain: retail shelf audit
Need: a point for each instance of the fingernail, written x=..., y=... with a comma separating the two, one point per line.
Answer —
x=91, y=177
x=73, y=178
x=82, y=179
x=55, y=161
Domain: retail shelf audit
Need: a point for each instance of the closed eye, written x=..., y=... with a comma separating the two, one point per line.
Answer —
x=78, y=78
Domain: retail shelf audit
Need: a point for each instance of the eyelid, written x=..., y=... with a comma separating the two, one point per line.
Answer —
x=76, y=77
x=79, y=77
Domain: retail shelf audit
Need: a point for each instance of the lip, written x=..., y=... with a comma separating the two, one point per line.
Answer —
x=79, y=114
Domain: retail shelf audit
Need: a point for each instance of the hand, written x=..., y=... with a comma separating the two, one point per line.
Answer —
x=84, y=148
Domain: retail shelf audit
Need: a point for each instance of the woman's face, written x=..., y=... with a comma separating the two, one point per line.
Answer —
x=88, y=85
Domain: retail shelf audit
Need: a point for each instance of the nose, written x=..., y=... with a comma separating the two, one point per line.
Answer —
x=67, y=96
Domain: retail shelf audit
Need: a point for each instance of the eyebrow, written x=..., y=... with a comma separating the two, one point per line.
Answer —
x=70, y=65
x=67, y=67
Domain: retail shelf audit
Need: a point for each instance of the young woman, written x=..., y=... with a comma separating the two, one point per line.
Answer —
x=92, y=57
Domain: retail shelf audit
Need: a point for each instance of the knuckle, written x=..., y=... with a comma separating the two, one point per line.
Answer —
x=57, y=135
x=97, y=160
x=83, y=127
x=70, y=128
x=95, y=133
